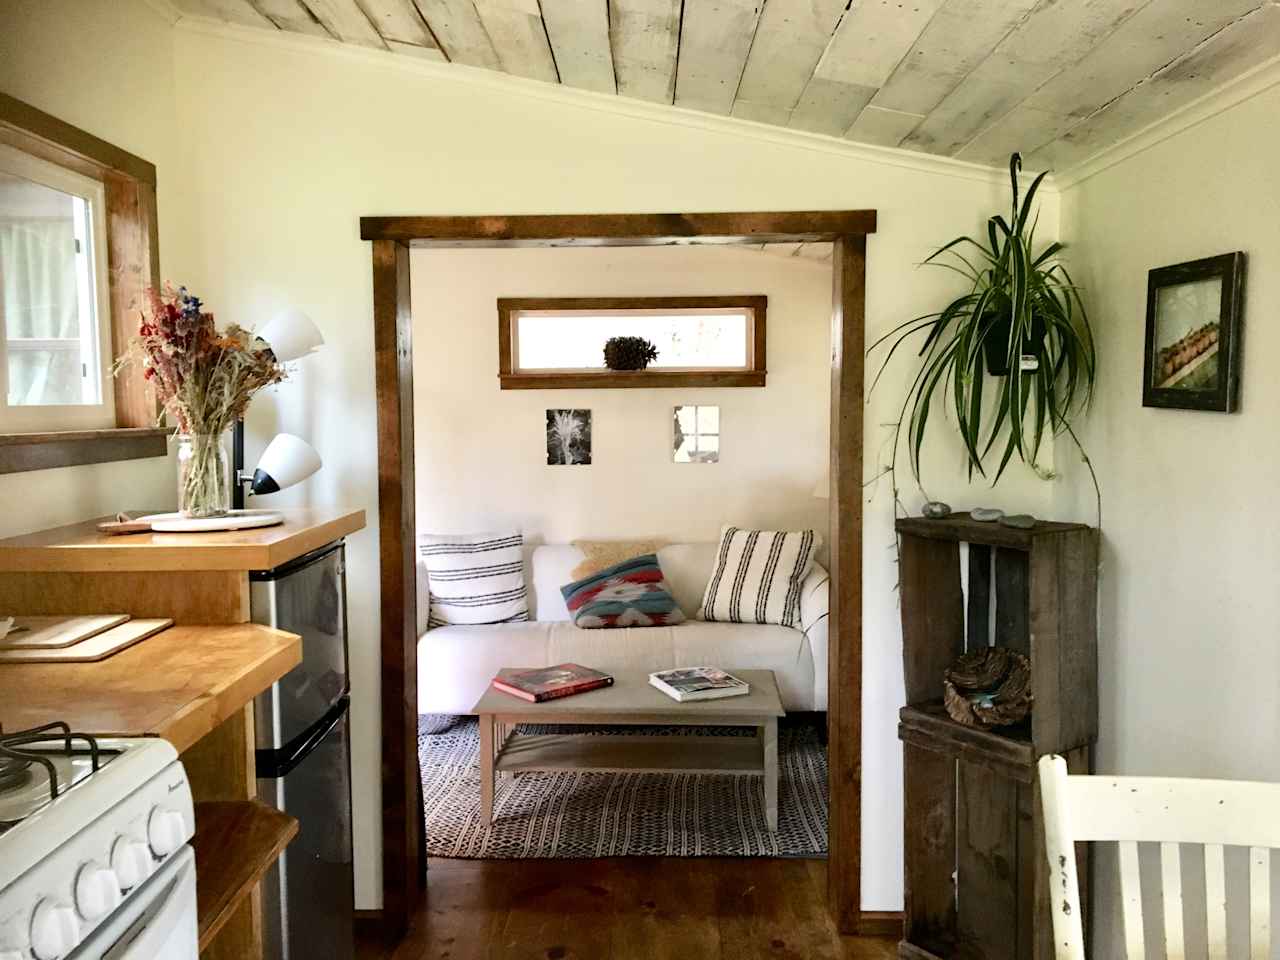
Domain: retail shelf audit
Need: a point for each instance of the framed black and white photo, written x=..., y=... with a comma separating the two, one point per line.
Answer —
x=695, y=434
x=1193, y=334
x=568, y=438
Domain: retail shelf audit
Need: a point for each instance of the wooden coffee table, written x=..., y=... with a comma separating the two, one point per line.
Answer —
x=632, y=701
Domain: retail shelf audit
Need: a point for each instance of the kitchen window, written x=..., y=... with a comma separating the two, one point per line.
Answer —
x=701, y=341
x=55, y=354
x=78, y=249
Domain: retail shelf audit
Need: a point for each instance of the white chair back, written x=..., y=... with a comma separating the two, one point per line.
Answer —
x=1131, y=810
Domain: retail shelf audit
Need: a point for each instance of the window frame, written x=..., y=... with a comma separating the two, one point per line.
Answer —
x=67, y=416
x=510, y=378
x=131, y=264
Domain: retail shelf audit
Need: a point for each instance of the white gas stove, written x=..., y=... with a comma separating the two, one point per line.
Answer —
x=94, y=861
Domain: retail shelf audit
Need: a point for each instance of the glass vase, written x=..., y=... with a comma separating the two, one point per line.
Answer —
x=204, y=475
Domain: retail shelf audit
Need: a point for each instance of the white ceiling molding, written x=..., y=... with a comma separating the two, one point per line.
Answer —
x=1218, y=101
x=458, y=73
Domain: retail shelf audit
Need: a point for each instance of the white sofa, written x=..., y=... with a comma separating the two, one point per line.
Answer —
x=456, y=663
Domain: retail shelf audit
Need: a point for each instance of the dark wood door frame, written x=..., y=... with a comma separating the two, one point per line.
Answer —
x=403, y=869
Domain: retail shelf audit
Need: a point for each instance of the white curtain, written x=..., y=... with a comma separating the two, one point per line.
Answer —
x=38, y=300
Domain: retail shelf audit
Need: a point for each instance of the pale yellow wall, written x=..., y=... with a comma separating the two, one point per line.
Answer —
x=482, y=450
x=107, y=68
x=1191, y=549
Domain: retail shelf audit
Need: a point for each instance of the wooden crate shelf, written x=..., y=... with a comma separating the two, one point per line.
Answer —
x=977, y=883
x=236, y=841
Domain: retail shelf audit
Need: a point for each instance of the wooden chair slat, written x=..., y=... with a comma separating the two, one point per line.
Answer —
x=1131, y=897
x=1259, y=903
x=1213, y=814
x=1215, y=888
x=1175, y=947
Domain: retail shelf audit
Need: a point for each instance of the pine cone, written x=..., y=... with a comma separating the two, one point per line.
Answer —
x=629, y=353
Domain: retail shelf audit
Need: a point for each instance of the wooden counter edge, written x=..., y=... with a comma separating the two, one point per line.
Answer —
x=205, y=713
x=121, y=555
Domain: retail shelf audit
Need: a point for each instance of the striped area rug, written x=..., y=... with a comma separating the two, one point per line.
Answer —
x=572, y=814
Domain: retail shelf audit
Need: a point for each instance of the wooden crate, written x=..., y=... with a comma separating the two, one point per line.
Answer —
x=977, y=884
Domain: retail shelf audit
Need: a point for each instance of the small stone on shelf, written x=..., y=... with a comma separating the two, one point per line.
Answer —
x=936, y=510
x=1020, y=521
x=986, y=514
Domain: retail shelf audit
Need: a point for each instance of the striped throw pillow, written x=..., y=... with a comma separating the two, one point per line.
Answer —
x=757, y=576
x=475, y=579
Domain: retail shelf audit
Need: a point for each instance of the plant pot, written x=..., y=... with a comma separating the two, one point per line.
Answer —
x=995, y=345
x=204, y=476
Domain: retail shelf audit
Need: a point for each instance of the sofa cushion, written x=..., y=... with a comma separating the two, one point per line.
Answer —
x=685, y=565
x=456, y=663
x=632, y=593
x=475, y=578
x=757, y=575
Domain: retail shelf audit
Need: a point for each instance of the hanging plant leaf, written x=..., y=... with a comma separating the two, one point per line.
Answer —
x=1020, y=303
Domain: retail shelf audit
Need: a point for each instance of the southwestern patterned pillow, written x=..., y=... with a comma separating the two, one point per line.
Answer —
x=629, y=594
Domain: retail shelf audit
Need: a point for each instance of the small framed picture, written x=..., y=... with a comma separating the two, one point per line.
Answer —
x=1193, y=334
x=568, y=438
x=695, y=434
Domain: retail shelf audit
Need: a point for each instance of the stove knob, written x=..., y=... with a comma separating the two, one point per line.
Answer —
x=54, y=930
x=166, y=831
x=131, y=861
x=97, y=890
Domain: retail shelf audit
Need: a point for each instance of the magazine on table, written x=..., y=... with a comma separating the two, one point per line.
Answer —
x=698, y=683
x=550, y=683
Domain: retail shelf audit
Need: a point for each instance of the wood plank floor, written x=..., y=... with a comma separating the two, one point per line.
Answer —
x=636, y=908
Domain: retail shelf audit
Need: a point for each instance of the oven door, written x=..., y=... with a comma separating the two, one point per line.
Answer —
x=158, y=922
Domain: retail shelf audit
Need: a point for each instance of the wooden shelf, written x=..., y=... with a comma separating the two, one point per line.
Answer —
x=529, y=752
x=235, y=843
x=962, y=527
x=1008, y=749
x=623, y=379
x=179, y=684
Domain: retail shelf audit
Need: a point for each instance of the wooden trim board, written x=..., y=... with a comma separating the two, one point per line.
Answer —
x=21, y=452
x=403, y=859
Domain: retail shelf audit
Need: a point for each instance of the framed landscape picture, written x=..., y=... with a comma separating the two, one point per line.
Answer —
x=1193, y=334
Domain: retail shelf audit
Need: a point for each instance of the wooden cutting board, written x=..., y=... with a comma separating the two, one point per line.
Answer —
x=49, y=632
x=98, y=647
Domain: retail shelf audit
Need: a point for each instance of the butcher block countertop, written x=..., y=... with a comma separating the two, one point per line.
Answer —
x=81, y=548
x=179, y=684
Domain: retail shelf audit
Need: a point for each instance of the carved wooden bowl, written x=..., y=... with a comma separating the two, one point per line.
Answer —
x=988, y=688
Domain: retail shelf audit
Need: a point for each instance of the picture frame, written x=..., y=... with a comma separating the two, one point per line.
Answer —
x=1192, y=357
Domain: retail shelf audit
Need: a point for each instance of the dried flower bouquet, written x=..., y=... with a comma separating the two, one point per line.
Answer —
x=204, y=379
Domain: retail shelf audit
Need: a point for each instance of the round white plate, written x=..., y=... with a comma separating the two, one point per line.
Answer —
x=235, y=520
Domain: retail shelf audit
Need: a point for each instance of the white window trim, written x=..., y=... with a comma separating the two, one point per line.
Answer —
x=748, y=332
x=56, y=417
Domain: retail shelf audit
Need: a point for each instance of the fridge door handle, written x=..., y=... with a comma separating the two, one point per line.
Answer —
x=273, y=764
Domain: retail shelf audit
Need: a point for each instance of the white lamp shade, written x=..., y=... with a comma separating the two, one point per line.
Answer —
x=286, y=461
x=290, y=335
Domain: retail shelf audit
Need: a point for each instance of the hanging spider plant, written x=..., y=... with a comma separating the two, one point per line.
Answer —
x=1021, y=324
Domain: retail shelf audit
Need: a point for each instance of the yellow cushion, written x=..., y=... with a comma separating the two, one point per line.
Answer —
x=603, y=554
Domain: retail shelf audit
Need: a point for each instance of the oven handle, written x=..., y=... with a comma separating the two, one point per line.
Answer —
x=274, y=764
x=155, y=931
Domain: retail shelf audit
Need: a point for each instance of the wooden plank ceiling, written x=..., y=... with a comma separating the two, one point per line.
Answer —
x=1058, y=80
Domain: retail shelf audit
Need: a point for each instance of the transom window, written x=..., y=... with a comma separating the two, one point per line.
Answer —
x=55, y=353
x=700, y=341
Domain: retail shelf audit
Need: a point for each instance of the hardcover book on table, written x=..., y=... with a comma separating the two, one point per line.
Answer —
x=550, y=683
x=698, y=683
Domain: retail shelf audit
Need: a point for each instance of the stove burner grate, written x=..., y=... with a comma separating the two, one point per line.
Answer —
x=16, y=759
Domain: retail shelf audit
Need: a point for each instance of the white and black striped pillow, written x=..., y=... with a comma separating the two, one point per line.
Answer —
x=757, y=576
x=475, y=579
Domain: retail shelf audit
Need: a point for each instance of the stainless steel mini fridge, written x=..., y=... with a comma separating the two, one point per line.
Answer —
x=304, y=759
